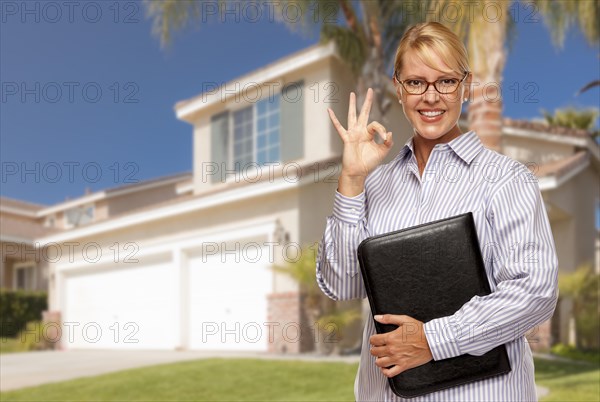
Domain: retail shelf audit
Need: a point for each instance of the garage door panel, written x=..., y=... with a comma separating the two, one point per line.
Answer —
x=228, y=300
x=123, y=308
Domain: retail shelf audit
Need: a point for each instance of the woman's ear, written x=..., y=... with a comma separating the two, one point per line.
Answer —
x=467, y=87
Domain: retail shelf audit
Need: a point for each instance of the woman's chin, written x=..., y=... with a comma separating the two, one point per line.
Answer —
x=434, y=132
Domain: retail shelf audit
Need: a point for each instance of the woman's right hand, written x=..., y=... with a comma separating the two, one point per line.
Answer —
x=361, y=153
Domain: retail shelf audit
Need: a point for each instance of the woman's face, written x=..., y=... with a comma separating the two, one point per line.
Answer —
x=444, y=110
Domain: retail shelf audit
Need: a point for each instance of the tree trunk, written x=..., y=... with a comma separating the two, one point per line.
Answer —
x=488, y=57
x=373, y=76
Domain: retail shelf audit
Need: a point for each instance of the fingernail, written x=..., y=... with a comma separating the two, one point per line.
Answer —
x=378, y=317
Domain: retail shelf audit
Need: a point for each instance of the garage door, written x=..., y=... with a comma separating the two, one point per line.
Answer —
x=228, y=299
x=132, y=306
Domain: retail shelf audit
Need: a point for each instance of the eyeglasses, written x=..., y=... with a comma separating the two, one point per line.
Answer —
x=444, y=86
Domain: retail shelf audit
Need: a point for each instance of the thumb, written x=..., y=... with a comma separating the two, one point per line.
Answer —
x=392, y=319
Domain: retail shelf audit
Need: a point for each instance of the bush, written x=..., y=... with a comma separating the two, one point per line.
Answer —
x=571, y=352
x=19, y=307
x=33, y=337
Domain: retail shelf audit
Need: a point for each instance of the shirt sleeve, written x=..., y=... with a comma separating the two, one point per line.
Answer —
x=338, y=270
x=525, y=268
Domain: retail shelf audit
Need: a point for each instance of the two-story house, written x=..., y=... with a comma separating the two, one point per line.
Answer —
x=190, y=266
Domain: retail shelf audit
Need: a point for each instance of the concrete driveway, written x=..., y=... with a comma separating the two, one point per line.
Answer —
x=19, y=370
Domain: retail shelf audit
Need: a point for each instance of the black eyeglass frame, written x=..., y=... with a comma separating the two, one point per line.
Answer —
x=430, y=83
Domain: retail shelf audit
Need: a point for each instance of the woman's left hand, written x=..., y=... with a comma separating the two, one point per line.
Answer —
x=403, y=348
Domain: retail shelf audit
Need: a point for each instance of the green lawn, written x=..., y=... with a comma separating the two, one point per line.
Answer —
x=567, y=381
x=210, y=379
x=255, y=379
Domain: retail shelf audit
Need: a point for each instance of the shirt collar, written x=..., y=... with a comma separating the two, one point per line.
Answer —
x=466, y=146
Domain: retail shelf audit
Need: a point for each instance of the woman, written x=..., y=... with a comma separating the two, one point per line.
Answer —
x=440, y=172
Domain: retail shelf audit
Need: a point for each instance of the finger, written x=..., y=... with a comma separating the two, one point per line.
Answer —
x=352, y=110
x=379, y=351
x=374, y=127
x=392, y=371
x=377, y=340
x=366, y=108
x=393, y=319
x=336, y=123
x=384, y=362
x=389, y=142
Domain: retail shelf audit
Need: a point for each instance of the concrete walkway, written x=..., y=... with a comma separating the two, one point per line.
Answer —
x=19, y=370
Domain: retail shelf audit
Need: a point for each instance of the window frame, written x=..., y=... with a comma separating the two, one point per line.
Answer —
x=254, y=169
x=84, y=207
x=24, y=265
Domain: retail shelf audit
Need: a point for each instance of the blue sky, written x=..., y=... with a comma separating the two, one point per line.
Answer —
x=129, y=130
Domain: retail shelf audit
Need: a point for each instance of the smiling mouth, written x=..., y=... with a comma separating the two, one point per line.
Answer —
x=432, y=114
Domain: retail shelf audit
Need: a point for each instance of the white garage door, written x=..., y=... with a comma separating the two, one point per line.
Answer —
x=132, y=306
x=228, y=299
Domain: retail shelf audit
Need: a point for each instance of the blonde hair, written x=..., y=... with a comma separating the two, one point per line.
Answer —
x=427, y=38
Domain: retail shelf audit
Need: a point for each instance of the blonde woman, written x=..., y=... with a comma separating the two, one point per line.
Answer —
x=440, y=172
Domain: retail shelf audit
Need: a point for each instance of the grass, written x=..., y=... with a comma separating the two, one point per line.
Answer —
x=568, y=381
x=268, y=380
x=209, y=379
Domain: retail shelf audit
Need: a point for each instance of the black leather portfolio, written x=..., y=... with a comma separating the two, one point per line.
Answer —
x=429, y=271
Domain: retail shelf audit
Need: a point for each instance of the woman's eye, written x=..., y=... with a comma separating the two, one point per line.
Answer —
x=449, y=81
x=415, y=83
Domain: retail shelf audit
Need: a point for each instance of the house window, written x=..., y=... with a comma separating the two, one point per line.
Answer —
x=79, y=215
x=24, y=278
x=256, y=133
x=243, y=144
x=50, y=221
x=267, y=131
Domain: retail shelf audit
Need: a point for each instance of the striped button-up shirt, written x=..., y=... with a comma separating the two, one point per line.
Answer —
x=516, y=243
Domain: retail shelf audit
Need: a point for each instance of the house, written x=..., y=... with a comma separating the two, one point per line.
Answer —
x=184, y=262
x=25, y=262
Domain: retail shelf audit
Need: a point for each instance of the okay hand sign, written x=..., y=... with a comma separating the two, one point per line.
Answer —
x=361, y=153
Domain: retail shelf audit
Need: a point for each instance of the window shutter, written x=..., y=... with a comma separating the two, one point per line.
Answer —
x=292, y=121
x=219, y=143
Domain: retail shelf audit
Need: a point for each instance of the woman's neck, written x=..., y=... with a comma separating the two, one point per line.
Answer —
x=423, y=146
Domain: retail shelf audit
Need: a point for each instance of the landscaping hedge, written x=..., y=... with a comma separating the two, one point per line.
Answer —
x=19, y=307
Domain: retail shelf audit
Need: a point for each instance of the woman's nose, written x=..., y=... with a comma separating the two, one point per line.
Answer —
x=431, y=95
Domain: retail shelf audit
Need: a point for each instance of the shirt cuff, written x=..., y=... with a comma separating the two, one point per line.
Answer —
x=349, y=209
x=441, y=337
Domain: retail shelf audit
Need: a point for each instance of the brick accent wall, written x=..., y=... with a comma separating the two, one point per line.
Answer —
x=290, y=333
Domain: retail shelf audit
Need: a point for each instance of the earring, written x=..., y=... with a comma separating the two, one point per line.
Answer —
x=399, y=101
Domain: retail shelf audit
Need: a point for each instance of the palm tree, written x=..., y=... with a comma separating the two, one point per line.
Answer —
x=330, y=318
x=367, y=35
x=369, y=31
x=361, y=35
x=485, y=33
x=572, y=118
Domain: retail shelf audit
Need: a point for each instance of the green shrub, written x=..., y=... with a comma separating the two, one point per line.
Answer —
x=19, y=307
x=571, y=352
x=583, y=287
x=32, y=337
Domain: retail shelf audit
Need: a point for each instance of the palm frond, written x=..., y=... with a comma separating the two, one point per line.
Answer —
x=350, y=46
x=306, y=16
x=570, y=117
x=397, y=16
x=560, y=15
x=169, y=16
x=588, y=86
